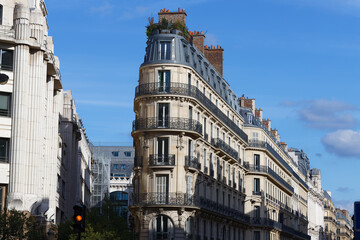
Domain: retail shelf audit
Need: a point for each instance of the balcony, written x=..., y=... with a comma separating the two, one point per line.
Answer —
x=192, y=162
x=167, y=123
x=220, y=144
x=162, y=160
x=191, y=91
x=272, y=173
x=183, y=199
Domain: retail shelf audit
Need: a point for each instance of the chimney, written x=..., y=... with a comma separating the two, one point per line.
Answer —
x=258, y=113
x=214, y=54
x=284, y=146
x=247, y=103
x=267, y=123
x=274, y=132
x=172, y=17
x=198, y=40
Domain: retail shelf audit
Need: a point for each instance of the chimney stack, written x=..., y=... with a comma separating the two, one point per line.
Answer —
x=259, y=113
x=198, y=40
x=215, y=56
x=247, y=103
x=267, y=123
x=172, y=17
x=274, y=132
x=284, y=146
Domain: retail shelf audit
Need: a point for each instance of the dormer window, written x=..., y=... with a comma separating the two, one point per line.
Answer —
x=165, y=50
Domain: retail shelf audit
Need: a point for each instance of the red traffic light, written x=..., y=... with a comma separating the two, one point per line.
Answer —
x=78, y=218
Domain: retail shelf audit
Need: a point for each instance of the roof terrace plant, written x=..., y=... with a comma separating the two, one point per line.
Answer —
x=164, y=24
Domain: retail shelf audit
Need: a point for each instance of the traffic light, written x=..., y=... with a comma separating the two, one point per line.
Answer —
x=79, y=218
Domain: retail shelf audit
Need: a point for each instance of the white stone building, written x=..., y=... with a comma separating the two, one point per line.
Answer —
x=35, y=172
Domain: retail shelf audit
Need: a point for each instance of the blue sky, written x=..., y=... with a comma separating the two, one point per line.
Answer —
x=298, y=58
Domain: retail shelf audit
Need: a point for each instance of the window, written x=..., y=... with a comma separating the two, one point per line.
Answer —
x=257, y=212
x=6, y=59
x=257, y=161
x=162, y=188
x=162, y=228
x=165, y=50
x=255, y=136
x=256, y=235
x=256, y=186
x=123, y=166
x=163, y=150
x=163, y=115
x=1, y=17
x=116, y=166
x=115, y=154
x=127, y=154
x=4, y=149
x=164, y=81
x=2, y=197
x=5, y=104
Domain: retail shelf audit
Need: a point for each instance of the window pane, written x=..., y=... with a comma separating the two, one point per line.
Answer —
x=7, y=60
x=4, y=145
x=4, y=104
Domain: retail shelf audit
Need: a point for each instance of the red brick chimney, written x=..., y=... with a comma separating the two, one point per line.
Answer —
x=258, y=113
x=215, y=56
x=247, y=103
x=267, y=123
x=180, y=15
x=198, y=40
x=274, y=132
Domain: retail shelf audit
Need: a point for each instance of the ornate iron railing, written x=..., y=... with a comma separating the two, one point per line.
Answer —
x=218, y=143
x=167, y=123
x=193, y=162
x=272, y=173
x=162, y=160
x=192, y=91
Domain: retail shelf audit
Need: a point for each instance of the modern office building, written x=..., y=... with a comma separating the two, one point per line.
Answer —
x=39, y=156
x=207, y=166
x=121, y=164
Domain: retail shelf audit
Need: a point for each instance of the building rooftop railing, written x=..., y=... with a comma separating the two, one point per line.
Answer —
x=192, y=91
x=167, y=123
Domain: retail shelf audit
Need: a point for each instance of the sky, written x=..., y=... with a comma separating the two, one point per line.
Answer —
x=298, y=58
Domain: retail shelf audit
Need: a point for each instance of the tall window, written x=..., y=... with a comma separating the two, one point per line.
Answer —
x=164, y=81
x=163, y=228
x=4, y=149
x=257, y=186
x=188, y=184
x=6, y=59
x=255, y=136
x=163, y=115
x=5, y=104
x=257, y=212
x=162, y=150
x=190, y=112
x=165, y=50
x=257, y=161
x=162, y=188
x=256, y=235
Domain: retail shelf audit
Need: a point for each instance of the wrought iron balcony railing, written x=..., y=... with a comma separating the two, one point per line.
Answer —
x=167, y=123
x=272, y=173
x=162, y=160
x=183, y=199
x=192, y=162
x=192, y=91
x=218, y=143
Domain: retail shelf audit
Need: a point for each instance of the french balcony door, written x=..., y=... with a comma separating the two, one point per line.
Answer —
x=162, y=151
x=163, y=115
x=162, y=189
x=164, y=81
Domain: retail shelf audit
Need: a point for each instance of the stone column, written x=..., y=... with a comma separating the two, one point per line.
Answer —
x=19, y=162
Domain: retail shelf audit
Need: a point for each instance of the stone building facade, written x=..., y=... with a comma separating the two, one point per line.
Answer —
x=33, y=173
x=206, y=166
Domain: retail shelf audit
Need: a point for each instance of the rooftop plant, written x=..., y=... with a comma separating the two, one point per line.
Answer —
x=165, y=24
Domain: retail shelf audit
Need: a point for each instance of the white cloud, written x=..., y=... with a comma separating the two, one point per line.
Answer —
x=105, y=8
x=343, y=143
x=324, y=114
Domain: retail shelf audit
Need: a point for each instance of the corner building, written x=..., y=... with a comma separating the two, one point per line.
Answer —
x=190, y=143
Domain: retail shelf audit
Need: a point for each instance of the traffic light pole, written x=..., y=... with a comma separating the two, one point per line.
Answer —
x=79, y=236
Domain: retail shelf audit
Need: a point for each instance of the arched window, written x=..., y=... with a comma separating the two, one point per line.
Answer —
x=162, y=228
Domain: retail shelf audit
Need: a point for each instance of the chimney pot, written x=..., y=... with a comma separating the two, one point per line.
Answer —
x=201, y=32
x=217, y=47
x=179, y=10
x=183, y=10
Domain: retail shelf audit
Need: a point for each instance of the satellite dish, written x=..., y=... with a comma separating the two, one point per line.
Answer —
x=3, y=78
